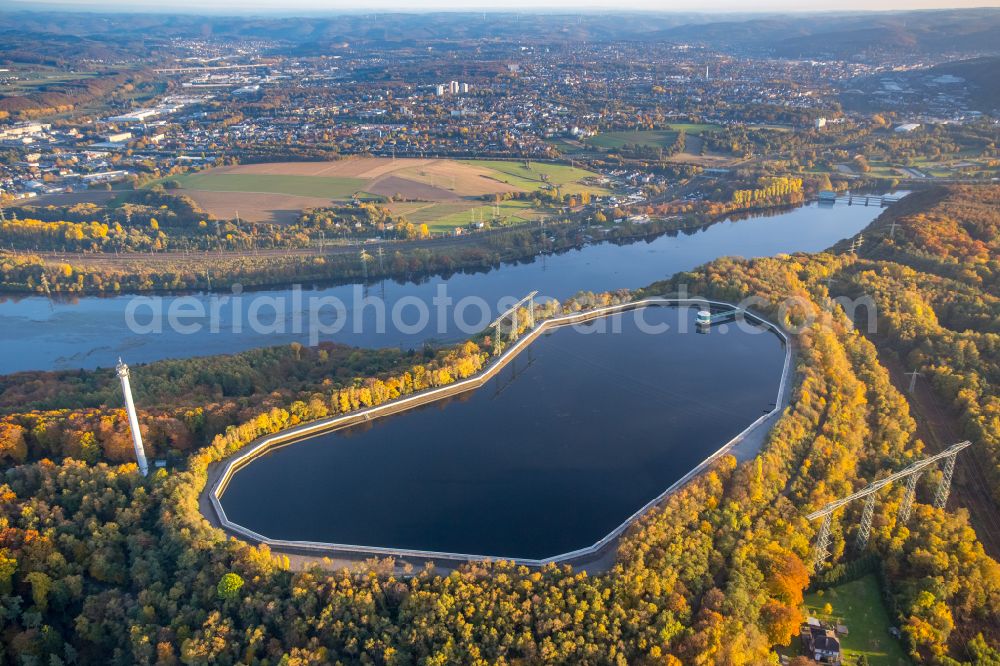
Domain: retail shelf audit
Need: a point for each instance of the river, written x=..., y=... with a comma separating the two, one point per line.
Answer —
x=93, y=331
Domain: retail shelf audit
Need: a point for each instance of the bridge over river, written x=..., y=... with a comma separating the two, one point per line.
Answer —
x=828, y=197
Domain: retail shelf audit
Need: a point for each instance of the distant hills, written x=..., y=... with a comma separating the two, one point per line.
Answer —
x=952, y=33
x=975, y=81
x=982, y=76
x=844, y=36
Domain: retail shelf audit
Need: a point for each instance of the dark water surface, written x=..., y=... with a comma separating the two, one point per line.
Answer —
x=548, y=457
x=92, y=332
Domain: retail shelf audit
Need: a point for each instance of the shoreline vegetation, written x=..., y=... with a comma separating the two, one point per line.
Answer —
x=105, y=563
x=108, y=274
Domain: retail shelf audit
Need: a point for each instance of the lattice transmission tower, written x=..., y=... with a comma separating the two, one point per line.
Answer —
x=821, y=549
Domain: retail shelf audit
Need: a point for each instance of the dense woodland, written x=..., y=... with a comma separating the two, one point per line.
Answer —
x=158, y=219
x=68, y=95
x=99, y=564
x=936, y=282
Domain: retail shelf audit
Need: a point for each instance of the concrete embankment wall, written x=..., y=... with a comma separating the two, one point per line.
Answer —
x=219, y=478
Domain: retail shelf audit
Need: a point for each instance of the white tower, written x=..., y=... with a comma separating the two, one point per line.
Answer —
x=133, y=419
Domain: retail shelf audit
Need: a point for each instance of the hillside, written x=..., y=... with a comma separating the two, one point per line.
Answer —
x=981, y=78
x=844, y=35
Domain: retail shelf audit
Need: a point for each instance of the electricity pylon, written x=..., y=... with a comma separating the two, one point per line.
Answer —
x=911, y=474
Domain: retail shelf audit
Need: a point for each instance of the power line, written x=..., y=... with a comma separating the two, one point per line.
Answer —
x=821, y=548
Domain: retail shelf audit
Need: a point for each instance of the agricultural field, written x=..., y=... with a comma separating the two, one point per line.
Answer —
x=649, y=138
x=646, y=138
x=303, y=186
x=535, y=176
x=858, y=605
x=511, y=212
x=692, y=153
x=567, y=146
x=444, y=217
x=696, y=155
x=440, y=193
x=694, y=129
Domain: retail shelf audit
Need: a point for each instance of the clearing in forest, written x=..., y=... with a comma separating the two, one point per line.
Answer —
x=858, y=606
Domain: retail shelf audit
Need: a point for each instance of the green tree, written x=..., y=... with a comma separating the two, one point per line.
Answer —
x=41, y=584
x=8, y=565
x=229, y=586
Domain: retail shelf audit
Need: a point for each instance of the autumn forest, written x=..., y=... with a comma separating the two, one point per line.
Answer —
x=98, y=564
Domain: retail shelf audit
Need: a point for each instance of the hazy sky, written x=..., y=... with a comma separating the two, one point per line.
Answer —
x=312, y=6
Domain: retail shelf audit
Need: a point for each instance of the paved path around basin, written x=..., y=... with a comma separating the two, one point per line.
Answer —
x=600, y=558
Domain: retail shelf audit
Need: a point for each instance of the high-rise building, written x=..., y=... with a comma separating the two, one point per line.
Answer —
x=439, y=90
x=465, y=87
x=453, y=87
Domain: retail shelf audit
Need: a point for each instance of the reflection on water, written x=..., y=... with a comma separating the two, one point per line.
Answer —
x=91, y=332
x=548, y=457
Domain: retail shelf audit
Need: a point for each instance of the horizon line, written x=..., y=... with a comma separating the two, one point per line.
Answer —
x=303, y=11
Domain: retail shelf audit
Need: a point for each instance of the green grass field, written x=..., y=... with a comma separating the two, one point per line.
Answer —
x=771, y=127
x=305, y=186
x=858, y=605
x=515, y=211
x=421, y=212
x=566, y=178
x=566, y=147
x=881, y=169
x=647, y=138
x=696, y=129
x=444, y=217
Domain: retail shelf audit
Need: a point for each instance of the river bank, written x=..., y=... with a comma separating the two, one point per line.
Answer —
x=91, y=331
x=58, y=274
